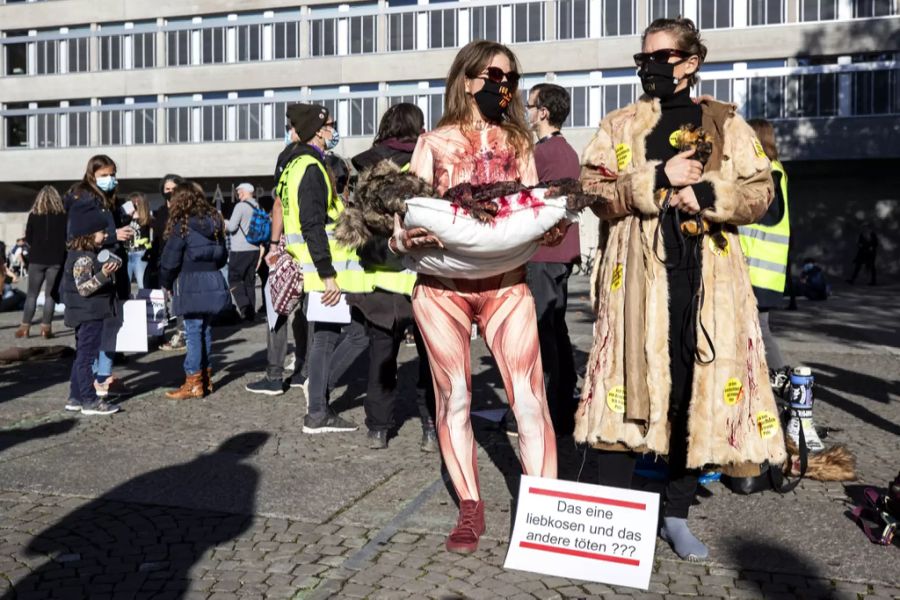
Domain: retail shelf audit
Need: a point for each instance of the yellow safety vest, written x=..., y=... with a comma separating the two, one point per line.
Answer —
x=766, y=247
x=350, y=275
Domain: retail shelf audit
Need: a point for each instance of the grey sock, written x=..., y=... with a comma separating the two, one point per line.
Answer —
x=676, y=532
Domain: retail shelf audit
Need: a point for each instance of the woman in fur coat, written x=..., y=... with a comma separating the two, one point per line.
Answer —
x=677, y=367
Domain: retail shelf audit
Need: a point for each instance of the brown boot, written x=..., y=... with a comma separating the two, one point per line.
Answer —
x=23, y=331
x=47, y=332
x=207, y=380
x=191, y=388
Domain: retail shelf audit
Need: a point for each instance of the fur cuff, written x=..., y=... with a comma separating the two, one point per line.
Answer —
x=642, y=181
x=726, y=202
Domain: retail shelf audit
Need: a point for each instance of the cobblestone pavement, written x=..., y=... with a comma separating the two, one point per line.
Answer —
x=225, y=498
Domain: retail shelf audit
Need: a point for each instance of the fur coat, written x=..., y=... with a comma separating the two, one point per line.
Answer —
x=733, y=420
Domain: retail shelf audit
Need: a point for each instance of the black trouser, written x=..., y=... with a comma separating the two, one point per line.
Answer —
x=47, y=276
x=549, y=284
x=617, y=468
x=381, y=393
x=277, y=343
x=868, y=262
x=242, y=278
x=87, y=346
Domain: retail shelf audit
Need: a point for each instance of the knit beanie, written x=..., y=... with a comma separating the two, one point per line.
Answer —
x=85, y=219
x=307, y=119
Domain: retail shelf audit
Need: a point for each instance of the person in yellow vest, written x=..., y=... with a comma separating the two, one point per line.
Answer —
x=765, y=246
x=388, y=307
x=310, y=207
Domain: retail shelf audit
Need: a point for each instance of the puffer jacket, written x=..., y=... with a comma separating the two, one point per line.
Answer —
x=190, y=268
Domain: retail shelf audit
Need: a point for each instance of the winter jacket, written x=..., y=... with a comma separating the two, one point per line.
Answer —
x=190, y=268
x=312, y=193
x=86, y=291
x=115, y=219
x=625, y=399
x=46, y=238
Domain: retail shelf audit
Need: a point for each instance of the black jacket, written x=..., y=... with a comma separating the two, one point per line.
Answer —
x=46, y=237
x=94, y=307
x=312, y=194
x=190, y=268
x=114, y=219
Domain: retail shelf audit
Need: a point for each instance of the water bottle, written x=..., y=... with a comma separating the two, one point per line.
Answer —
x=801, y=401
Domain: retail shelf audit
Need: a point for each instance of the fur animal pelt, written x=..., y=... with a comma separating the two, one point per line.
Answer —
x=380, y=192
x=576, y=198
x=836, y=463
x=691, y=137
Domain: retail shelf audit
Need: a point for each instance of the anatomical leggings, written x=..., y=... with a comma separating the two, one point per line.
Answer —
x=504, y=310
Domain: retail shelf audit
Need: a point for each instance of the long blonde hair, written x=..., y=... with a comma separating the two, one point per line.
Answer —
x=48, y=202
x=470, y=61
x=141, y=208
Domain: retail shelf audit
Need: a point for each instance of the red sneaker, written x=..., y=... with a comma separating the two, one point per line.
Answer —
x=469, y=527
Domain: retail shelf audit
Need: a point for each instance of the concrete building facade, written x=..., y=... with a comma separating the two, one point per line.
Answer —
x=200, y=87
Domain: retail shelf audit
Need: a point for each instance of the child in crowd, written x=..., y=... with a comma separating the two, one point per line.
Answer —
x=88, y=293
x=193, y=254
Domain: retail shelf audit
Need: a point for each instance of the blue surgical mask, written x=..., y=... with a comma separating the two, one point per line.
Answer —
x=107, y=183
x=287, y=138
x=334, y=141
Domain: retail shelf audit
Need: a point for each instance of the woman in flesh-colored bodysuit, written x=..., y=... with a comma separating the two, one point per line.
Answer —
x=481, y=139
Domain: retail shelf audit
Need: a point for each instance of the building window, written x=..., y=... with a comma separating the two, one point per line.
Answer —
x=250, y=121
x=213, y=123
x=402, y=31
x=16, y=127
x=47, y=57
x=433, y=106
x=484, y=23
x=572, y=18
x=362, y=116
x=528, y=22
x=178, y=124
x=287, y=40
x=442, y=28
x=863, y=9
x=111, y=51
x=178, y=48
x=78, y=54
x=47, y=127
x=818, y=95
x=876, y=92
x=144, y=50
x=112, y=125
x=362, y=34
x=665, y=9
x=213, y=46
x=580, y=111
x=720, y=89
x=618, y=17
x=818, y=10
x=618, y=95
x=279, y=120
x=80, y=124
x=766, y=12
x=144, y=126
x=715, y=14
x=249, y=42
x=16, y=54
x=765, y=98
x=323, y=37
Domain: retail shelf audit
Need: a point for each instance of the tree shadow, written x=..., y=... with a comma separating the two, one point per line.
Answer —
x=141, y=538
x=854, y=382
x=14, y=437
x=856, y=410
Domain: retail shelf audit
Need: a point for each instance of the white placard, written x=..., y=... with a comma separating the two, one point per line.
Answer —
x=127, y=331
x=271, y=315
x=319, y=313
x=157, y=317
x=584, y=531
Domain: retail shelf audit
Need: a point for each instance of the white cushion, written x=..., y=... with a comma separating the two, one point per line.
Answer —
x=473, y=249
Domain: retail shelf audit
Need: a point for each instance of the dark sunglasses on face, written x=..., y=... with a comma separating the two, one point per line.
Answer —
x=332, y=124
x=497, y=75
x=660, y=56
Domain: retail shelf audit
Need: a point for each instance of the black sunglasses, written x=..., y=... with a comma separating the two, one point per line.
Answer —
x=660, y=56
x=497, y=75
x=332, y=124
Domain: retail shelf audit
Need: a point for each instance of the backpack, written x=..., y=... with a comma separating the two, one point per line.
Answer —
x=260, y=229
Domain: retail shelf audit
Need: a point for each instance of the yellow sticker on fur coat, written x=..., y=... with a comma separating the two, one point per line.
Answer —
x=616, y=277
x=734, y=391
x=718, y=244
x=615, y=399
x=623, y=156
x=766, y=423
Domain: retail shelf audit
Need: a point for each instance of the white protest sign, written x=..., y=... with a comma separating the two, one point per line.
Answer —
x=127, y=330
x=156, y=310
x=584, y=531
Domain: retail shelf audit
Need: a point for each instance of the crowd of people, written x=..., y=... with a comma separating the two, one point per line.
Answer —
x=674, y=281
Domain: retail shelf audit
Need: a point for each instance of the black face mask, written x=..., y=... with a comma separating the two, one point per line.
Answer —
x=658, y=79
x=167, y=196
x=493, y=100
